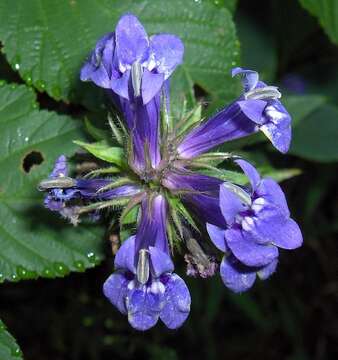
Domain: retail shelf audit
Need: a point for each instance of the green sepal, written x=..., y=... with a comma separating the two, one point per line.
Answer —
x=104, y=171
x=117, y=134
x=96, y=133
x=190, y=120
x=101, y=150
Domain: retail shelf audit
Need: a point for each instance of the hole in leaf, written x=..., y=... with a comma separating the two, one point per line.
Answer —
x=199, y=92
x=33, y=158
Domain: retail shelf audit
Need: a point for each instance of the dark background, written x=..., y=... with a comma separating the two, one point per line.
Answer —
x=291, y=316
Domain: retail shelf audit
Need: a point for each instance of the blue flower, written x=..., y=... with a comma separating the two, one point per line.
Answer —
x=127, y=59
x=136, y=68
x=258, y=223
x=63, y=191
x=261, y=105
x=144, y=286
x=257, y=109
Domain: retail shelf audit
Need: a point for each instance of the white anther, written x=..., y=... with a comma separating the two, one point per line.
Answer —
x=267, y=92
x=142, y=271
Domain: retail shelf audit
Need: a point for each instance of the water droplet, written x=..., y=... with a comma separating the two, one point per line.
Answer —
x=13, y=86
x=48, y=273
x=22, y=272
x=40, y=85
x=14, y=277
x=56, y=92
x=28, y=79
x=16, y=352
x=79, y=265
x=61, y=268
x=92, y=258
x=26, y=138
x=16, y=62
x=2, y=278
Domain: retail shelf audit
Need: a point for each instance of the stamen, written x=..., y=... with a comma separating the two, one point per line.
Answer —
x=242, y=194
x=265, y=93
x=136, y=77
x=142, y=271
x=62, y=182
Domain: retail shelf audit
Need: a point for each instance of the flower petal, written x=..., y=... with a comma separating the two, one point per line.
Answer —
x=60, y=167
x=271, y=192
x=115, y=289
x=125, y=257
x=236, y=276
x=217, y=236
x=277, y=127
x=230, y=204
x=253, y=110
x=247, y=251
x=144, y=307
x=249, y=77
x=251, y=173
x=120, y=85
x=161, y=262
x=167, y=51
x=267, y=270
x=131, y=41
x=177, y=302
x=151, y=85
x=277, y=229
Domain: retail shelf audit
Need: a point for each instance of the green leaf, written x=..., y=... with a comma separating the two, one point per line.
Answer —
x=258, y=49
x=101, y=150
x=327, y=13
x=300, y=106
x=34, y=241
x=37, y=41
x=315, y=137
x=228, y=4
x=9, y=349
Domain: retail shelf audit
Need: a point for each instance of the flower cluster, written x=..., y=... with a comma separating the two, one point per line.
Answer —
x=169, y=176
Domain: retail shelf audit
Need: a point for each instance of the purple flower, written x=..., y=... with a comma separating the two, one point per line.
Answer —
x=144, y=286
x=228, y=124
x=200, y=193
x=128, y=60
x=261, y=105
x=258, y=223
x=99, y=66
x=63, y=190
x=135, y=68
x=257, y=109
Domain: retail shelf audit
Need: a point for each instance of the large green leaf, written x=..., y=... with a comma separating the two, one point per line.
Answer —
x=34, y=241
x=315, y=137
x=258, y=49
x=327, y=13
x=9, y=349
x=47, y=41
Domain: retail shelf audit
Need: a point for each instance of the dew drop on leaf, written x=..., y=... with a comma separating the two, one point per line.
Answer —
x=61, y=268
x=79, y=265
x=92, y=258
x=40, y=85
x=48, y=272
